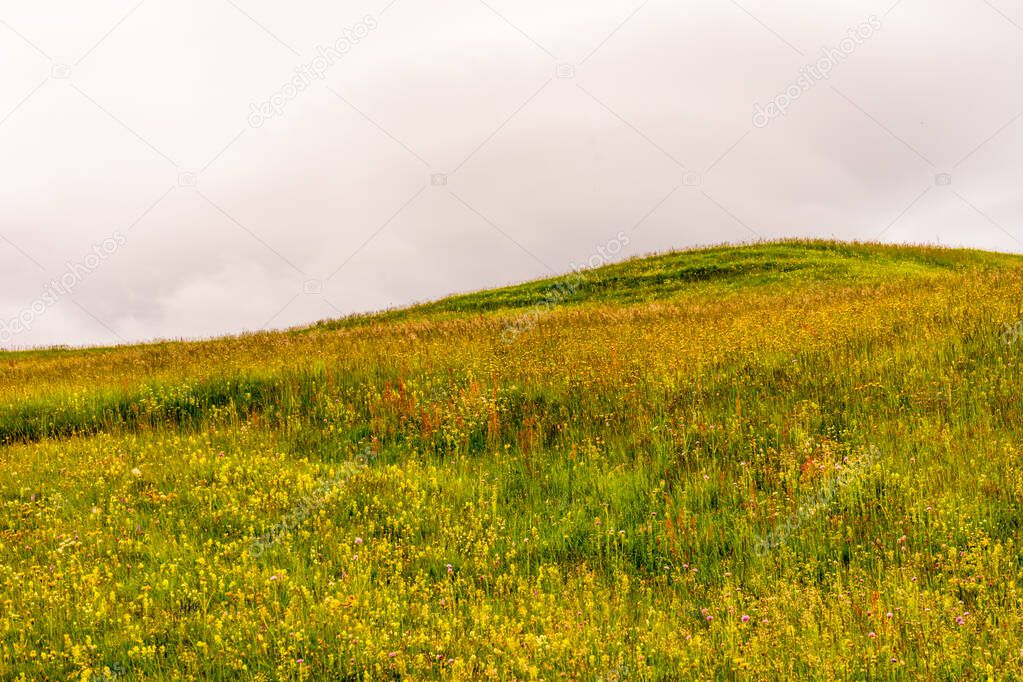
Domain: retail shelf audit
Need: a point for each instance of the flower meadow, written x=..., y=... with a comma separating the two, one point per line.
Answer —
x=793, y=460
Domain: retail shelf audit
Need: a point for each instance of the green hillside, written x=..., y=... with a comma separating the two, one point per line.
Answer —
x=792, y=460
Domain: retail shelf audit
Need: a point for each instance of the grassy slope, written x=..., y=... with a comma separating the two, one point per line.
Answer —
x=593, y=485
x=38, y=382
x=710, y=271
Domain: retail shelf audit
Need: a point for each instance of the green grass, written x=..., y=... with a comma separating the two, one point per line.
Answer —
x=570, y=505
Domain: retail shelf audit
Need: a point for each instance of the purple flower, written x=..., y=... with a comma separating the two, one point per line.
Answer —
x=745, y=618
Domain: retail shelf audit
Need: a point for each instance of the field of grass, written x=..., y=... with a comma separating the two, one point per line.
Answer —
x=782, y=461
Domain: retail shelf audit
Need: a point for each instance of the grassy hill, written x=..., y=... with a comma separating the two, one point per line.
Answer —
x=797, y=459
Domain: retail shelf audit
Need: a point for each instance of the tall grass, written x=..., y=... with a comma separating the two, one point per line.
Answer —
x=588, y=502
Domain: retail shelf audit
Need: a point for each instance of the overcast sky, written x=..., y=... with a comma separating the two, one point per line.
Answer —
x=199, y=167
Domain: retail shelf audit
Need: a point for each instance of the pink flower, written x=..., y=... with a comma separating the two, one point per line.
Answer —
x=745, y=618
x=960, y=620
x=888, y=615
x=358, y=541
x=872, y=635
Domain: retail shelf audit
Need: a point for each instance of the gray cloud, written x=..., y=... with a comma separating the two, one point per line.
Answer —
x=463, y=144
